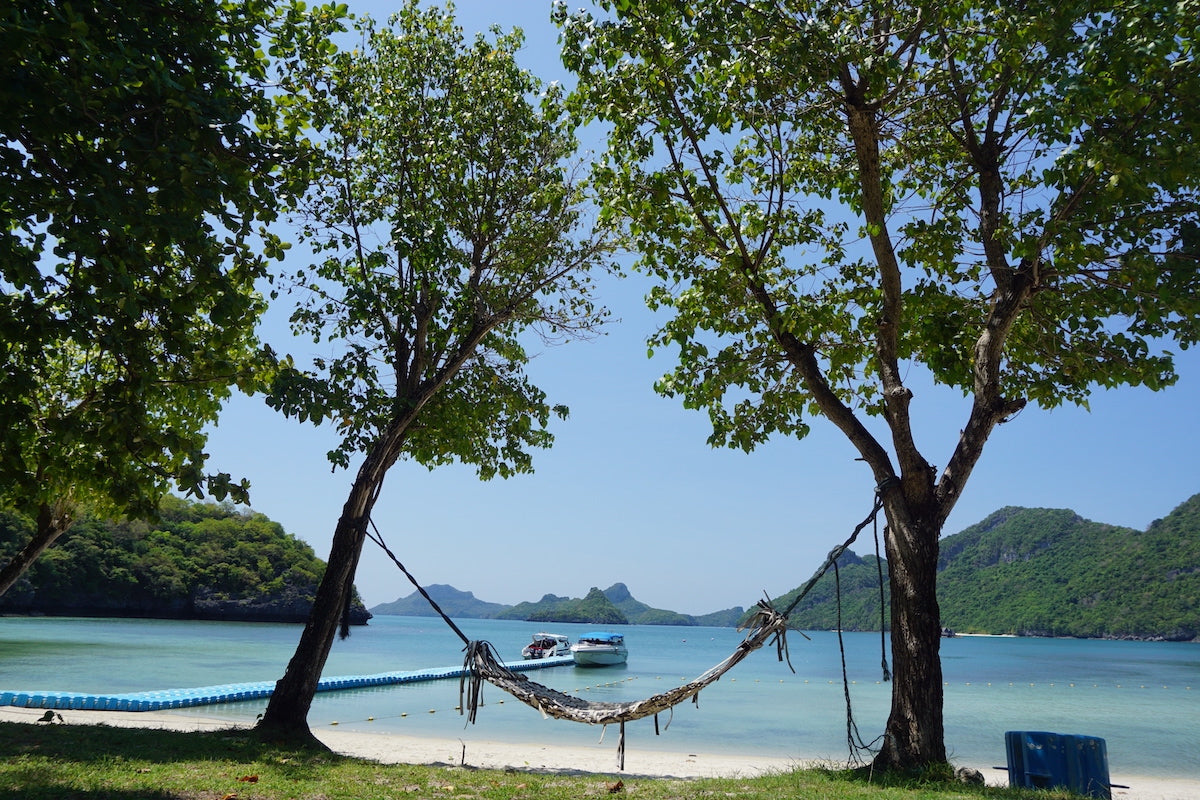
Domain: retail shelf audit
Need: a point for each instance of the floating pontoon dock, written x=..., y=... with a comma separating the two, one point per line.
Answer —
x=237, y=692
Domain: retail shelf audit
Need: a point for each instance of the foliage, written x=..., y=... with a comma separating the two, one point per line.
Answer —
x=543, y=608
x=139, y=154
x=638, y=613
x=1049, y=572
x=49, y=762
x=1043, y=572
x=725, y=618
x=445, y=232
x=196, y=561
x=1025, y=571
x=594, y=608
x=737, y=174
x=656, y=616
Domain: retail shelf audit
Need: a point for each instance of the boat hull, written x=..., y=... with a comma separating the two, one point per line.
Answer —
x=599, y=655
x=593, y=658
x=599, y=649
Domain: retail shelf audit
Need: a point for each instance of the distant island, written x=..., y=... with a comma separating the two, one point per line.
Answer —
x=197, y=561
x=1021, y=571
x=612, y=606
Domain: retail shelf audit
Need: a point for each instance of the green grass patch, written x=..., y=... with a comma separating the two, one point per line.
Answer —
x=86, y=762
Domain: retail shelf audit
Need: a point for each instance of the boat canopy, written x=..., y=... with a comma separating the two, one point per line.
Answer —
x=602, y=636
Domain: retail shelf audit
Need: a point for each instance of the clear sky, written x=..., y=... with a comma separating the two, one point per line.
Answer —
x=631, y=493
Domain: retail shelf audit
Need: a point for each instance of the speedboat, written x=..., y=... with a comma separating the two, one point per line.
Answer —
x=599, y=649
x=545, y=645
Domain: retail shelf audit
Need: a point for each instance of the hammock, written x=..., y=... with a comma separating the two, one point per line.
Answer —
x=482, y=663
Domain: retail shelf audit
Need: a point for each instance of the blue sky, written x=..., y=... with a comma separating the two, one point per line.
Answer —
x=631, y=492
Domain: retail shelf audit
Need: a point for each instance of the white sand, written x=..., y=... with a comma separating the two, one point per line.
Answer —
x=596, y=759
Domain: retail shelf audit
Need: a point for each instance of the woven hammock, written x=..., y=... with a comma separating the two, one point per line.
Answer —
x=482, y=664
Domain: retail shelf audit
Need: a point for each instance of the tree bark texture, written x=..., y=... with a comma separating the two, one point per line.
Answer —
x=914, y=734
x=286, y=716
x=52, y=522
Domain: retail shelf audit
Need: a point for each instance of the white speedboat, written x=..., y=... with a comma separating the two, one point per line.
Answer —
x=600, y=649
x=545, y=645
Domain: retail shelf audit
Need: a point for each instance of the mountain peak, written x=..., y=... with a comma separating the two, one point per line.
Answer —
x=618, y=593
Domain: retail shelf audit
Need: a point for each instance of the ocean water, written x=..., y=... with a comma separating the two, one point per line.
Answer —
x=1142, y=698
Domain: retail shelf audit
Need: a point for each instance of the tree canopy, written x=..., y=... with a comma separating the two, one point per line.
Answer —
x=839, y=200
x=139, y=155
x=443, y=219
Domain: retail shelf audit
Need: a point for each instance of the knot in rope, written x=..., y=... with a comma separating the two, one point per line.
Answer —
x=766, y=623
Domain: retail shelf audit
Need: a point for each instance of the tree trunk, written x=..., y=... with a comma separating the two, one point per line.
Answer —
x=286, y=717
x=914, y=736
x=52, y=522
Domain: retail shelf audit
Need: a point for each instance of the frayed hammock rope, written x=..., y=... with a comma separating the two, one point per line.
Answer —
x=482, y=663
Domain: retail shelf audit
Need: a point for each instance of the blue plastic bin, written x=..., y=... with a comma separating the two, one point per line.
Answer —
x=1043, y=760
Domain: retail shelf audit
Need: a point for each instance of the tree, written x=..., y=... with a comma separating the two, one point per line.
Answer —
x=840, y=200
x=449, y=225
x=138, y=162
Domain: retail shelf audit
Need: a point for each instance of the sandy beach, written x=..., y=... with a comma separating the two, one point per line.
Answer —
x=597, y=759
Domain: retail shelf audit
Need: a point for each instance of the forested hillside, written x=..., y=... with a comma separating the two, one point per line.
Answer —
x=198, y=561
x=594, y=608
x=1043, y=572
x=860, y=583
x=1049, y=572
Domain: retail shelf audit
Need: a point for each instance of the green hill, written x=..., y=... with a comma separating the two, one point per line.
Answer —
x=638, y=613
x=1049, y=572
x=1044, y=572
x=1027, y=571
x=595, y=609
x=527, y=609
x=726, y=618
x=449, y=599
x=198, y=561
x=860, y=597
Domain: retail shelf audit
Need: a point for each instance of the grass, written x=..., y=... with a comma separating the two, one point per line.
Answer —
x=84, y=762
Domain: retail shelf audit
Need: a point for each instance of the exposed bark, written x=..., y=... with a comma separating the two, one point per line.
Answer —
x=914, y=736
x=53, y=521
x=286, y=716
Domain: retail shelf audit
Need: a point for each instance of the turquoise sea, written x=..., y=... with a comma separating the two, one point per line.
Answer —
x=1143, y=698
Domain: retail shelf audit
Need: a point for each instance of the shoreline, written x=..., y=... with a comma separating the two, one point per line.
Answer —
x=599, y=759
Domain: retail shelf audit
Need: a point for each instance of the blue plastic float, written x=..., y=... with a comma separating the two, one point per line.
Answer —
x=235, y=692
